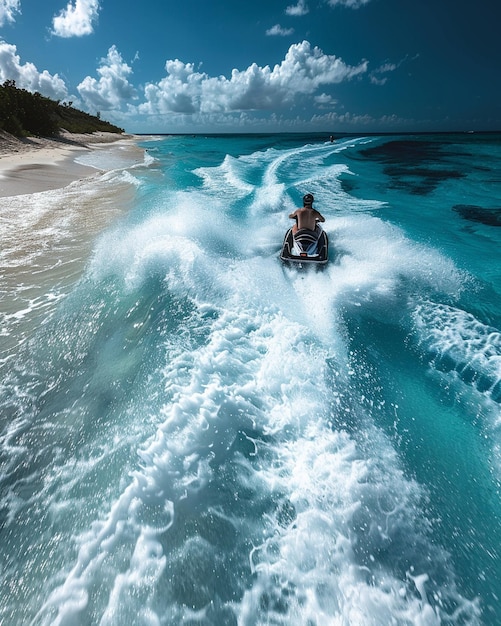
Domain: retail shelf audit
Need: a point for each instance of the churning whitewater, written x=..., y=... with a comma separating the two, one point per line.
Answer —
x=193, y=433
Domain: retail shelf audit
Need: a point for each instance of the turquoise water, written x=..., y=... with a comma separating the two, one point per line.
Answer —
x=192, y=433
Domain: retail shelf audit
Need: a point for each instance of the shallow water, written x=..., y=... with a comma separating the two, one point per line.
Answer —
x=192, y=433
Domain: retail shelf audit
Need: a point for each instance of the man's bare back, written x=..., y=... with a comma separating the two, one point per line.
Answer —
x=307, y=216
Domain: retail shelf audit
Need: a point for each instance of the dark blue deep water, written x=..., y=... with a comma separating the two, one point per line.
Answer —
x=192, y=433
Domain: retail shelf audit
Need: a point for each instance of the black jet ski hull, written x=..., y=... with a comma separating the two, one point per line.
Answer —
x=320, y=257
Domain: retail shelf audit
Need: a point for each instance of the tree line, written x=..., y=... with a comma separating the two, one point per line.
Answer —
x=23, y=113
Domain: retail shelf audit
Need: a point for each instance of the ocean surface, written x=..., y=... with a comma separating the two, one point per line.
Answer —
x=193, y=434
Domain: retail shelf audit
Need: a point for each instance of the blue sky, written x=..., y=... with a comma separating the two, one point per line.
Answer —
x=262, y=65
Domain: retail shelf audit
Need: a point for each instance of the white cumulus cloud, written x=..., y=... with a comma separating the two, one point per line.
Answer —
x=113, y=88
x=8, y=10
x=302, y=71
x=378, y=75
x=325, y=101
x=280, y=31
x=351, y=4
x=27, y=75
x=301, y=8
x=76, y=19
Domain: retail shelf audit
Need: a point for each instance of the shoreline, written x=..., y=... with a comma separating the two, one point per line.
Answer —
x=38, y=164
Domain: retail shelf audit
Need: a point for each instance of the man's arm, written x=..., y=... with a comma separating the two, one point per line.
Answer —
x=293, y=215
x=319, y=217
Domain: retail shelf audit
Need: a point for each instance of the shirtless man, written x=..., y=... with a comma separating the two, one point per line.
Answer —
x=306, y=217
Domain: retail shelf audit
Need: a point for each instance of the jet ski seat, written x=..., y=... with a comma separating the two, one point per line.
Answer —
x=305, y=240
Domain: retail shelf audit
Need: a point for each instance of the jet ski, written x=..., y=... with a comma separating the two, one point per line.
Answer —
x=306, y=246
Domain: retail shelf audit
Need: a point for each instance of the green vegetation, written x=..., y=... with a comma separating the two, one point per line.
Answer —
x=23, y=113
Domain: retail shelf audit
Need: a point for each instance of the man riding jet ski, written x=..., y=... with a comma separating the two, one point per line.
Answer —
x=306, y=242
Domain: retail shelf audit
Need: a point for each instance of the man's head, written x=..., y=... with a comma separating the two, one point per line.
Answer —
x=308, y=200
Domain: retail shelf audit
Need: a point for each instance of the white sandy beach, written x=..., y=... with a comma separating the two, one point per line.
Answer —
x=39, y=164
x=51, y=210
